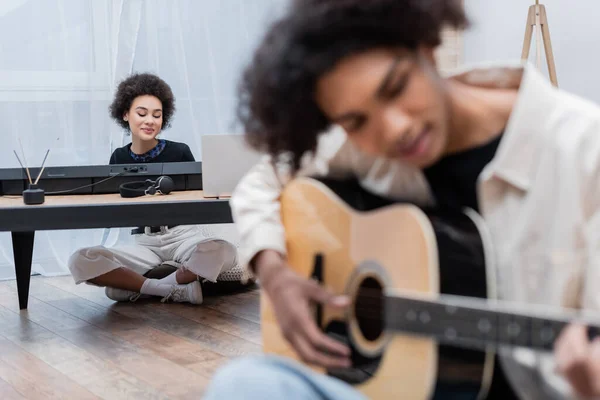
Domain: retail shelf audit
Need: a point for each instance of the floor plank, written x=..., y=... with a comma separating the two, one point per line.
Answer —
x=171, y=347
x=228, y=323
x=74, y=342
x=8, y=392
x=156, y=372
x=216, y=340
x=244, y=305
x=48, y=341
x=35, y=379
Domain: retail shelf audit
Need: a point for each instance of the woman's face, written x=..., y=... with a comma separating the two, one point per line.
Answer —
x=391, y=103
x=145, y=117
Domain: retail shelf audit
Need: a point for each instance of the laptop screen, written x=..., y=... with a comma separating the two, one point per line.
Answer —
x=225, y=160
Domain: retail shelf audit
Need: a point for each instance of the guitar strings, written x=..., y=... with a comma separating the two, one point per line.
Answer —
x=365, y=304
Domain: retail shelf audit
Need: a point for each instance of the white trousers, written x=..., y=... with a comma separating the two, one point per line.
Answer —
x=184, y=245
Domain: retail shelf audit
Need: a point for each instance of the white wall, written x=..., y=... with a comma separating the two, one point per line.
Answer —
x=498, y=30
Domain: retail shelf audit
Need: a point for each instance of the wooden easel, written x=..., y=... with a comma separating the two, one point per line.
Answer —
x=536, y=18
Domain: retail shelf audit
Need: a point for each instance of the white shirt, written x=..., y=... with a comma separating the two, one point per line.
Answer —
x=539, y=197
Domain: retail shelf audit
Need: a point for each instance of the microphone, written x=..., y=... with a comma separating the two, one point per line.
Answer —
x=33, y=194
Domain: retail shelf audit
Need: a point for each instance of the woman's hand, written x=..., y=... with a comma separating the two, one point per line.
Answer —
x=578, y=360
x=290, y=296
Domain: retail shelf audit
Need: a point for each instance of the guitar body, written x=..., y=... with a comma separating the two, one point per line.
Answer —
x=359, y=244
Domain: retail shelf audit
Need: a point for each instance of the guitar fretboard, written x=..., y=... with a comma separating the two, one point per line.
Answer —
x=476, y=326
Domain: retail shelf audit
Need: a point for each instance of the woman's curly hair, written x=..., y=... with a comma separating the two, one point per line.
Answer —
x=141, y=84
x=277, y=91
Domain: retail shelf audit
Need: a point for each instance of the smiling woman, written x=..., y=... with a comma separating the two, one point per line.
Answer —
x=144, y=104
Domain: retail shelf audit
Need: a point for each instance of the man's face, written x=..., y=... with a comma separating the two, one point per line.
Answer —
x=391, y=103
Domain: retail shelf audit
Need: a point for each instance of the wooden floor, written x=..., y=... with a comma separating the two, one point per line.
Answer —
x=75, y=343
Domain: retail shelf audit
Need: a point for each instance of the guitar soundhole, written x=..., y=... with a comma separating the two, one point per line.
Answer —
x=368, y=309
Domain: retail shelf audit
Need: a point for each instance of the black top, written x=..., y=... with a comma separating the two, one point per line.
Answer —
x=164, y=151
x=453, y=181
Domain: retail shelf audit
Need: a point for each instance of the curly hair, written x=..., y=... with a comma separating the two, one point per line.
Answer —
x=141, y=84
x=276, y=103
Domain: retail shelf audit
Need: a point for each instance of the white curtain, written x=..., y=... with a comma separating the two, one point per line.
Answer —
x=60, y=61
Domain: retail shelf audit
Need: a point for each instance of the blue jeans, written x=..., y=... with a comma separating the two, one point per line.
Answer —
x=271, y=377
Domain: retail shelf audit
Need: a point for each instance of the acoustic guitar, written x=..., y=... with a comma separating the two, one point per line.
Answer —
x=421, y=281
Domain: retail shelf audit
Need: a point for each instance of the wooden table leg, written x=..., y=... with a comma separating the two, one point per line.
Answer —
x=23, y=254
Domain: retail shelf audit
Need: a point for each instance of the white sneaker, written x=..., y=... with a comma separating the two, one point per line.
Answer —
x=189, y=293
x=120, y=294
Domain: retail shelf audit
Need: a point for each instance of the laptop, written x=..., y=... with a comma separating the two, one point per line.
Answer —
x=225, y=160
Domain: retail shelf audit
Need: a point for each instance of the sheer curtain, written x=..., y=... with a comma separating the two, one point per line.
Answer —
x=60, y=61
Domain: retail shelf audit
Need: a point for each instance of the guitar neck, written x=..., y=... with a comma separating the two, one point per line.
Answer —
x=477, y=324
